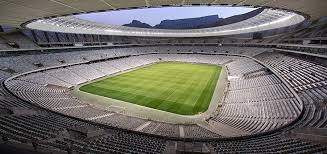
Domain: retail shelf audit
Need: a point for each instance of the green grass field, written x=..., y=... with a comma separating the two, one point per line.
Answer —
x=182, y=88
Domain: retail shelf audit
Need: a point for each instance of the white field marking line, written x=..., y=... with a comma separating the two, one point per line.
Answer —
x=101, y=116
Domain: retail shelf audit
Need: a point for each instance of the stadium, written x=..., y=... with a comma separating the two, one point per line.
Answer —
x=251, y=82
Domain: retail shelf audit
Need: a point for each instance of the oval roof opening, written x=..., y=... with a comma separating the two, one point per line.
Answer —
x=187, y=17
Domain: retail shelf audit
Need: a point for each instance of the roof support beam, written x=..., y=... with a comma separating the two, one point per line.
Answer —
x=108, y=4
x=147, y=3
x=55, y=1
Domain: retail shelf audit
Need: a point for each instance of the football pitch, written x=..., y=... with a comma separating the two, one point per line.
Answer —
x=181, y=88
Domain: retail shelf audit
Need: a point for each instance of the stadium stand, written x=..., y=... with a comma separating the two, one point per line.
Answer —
x=307, y=78
x=3, y=44
x=33, y=87
x=19, y=40
x=244, y=102
x=274, y=101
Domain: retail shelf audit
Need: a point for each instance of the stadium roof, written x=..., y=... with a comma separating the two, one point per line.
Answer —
x=47, y=15
x=266, y=20
x=17, y=12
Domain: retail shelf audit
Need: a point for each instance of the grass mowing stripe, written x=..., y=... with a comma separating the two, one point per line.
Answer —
x=182, y=88
x=206, y=93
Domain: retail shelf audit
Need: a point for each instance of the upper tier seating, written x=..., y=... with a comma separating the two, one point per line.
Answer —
x=3, y=44
x=18, y=37
x=309, y=79
x=256, y=106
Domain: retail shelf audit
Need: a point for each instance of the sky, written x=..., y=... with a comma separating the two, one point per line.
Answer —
x=154, y=16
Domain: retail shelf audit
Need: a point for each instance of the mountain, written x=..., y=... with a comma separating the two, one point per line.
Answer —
x=197, y=23
x=138, y=24
x=189, y=23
